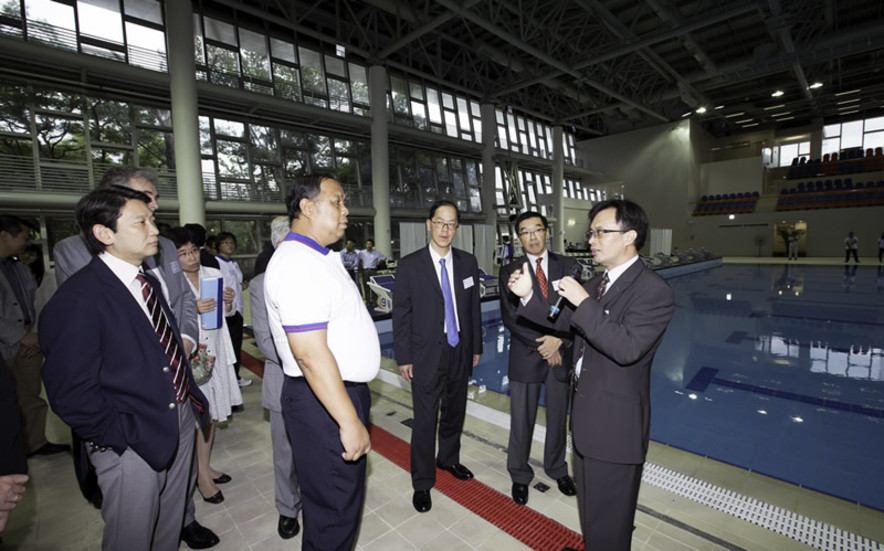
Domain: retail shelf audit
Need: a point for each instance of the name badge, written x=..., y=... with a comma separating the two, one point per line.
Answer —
x=555, y=285
x=468, y=282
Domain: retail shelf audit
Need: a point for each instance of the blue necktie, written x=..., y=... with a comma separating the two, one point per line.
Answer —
x=450, y=319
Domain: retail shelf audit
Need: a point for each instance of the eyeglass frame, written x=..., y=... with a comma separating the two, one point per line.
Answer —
x=440, y=225
x=531, y=233
x=601, y=232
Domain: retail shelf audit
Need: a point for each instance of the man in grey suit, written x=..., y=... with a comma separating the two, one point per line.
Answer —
x=619, y=319
x=288, y=496
x=539, y=358
x=71, y=255
x=18, y=334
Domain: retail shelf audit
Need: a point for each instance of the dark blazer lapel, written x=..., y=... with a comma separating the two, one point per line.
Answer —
x=430, y=270
x=623, y=282
x=122, y=297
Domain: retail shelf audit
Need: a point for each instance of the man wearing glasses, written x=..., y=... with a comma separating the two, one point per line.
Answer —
x=539, y=357
x=437, y=334
x=618, y=319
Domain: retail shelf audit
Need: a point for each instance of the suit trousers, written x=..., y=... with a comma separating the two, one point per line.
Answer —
x=33, y=408
x=607, y=494
x=442, y=400
x=288, y=494
x=234, y=326
x=524, y=398
x=142, y=508
x=332, y=490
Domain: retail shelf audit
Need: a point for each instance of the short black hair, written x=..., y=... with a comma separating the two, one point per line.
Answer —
x=225, y=235
x=198, y=232
x=305, y=187
x=120, y=175
x=629, y=215
x=179, y=236
x=103, y=206
x=531, y=214
x=443, y=203
x=13, y=225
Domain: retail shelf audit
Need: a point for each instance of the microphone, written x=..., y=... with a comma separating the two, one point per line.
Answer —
x=556, y=308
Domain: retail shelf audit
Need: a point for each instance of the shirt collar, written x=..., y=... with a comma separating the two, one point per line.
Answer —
x=533, y=258
x=436, y=257
x=616, y=272
x=292, y=236
x=124, y=271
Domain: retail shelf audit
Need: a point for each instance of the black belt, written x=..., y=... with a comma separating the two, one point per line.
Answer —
x=303, y=380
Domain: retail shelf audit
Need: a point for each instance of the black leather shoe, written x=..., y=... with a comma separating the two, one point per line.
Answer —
x=215, y=499
x=197, y=536
x=520, y=493
x=50, y=449
x=421, y=501
x=566, y=486
x=458, y=471
x=288, y=527
x=223, y=479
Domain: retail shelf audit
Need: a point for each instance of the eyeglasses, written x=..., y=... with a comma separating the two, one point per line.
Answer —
x=450, y=226
x=599, y=233
x=532, y=233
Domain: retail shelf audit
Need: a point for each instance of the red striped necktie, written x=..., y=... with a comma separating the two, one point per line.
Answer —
x=167, y=338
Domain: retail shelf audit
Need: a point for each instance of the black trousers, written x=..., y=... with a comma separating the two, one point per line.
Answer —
x=607, y=494
x=445, y=394
x=848, y=253
x=234, y=326
x=332, y=490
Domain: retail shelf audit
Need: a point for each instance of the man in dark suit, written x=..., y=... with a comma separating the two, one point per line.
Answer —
x=619, y=319
x=71, y=255
x=539, y=358
x=116, y=373
x=437, y=333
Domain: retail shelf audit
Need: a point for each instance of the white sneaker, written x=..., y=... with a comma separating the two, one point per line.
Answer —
x=244, y=382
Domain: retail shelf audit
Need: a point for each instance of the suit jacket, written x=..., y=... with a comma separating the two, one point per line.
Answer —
x=618, y=336
x=271, y=386
x=71, y=255
x=419, y=311
x=12, y=314
x=525, y=363
x=106, y=374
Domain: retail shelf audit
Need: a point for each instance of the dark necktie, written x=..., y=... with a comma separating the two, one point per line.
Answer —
x=167, y=338
x=541, y=279
x=450, y=318
x=602, y=287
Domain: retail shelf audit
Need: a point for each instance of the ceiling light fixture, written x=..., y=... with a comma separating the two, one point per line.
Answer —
x=740, y=114
x=701, y=110
x=772, y=107
x=847, y=92
x=816, y=85
x=783, y=114
x=744, y=120
x=777, y=94
x=748, y=125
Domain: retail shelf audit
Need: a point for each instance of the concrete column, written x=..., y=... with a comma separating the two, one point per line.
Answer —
x=489, y=136
x=380, y=159
x=558, y=180
x=185, y=114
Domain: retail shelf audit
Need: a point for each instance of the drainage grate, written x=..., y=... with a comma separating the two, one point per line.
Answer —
x=787, y=523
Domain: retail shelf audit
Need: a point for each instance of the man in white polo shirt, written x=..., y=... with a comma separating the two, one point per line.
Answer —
x=329, y=350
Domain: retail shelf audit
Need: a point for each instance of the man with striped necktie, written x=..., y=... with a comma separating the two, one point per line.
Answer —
x=116, y=372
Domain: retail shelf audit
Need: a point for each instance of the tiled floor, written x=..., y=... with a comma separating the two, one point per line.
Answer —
x=53, y=516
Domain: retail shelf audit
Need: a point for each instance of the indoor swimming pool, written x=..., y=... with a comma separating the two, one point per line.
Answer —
x=773, y=368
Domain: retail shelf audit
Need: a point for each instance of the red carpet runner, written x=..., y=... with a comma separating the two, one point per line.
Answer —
x=523, y=523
